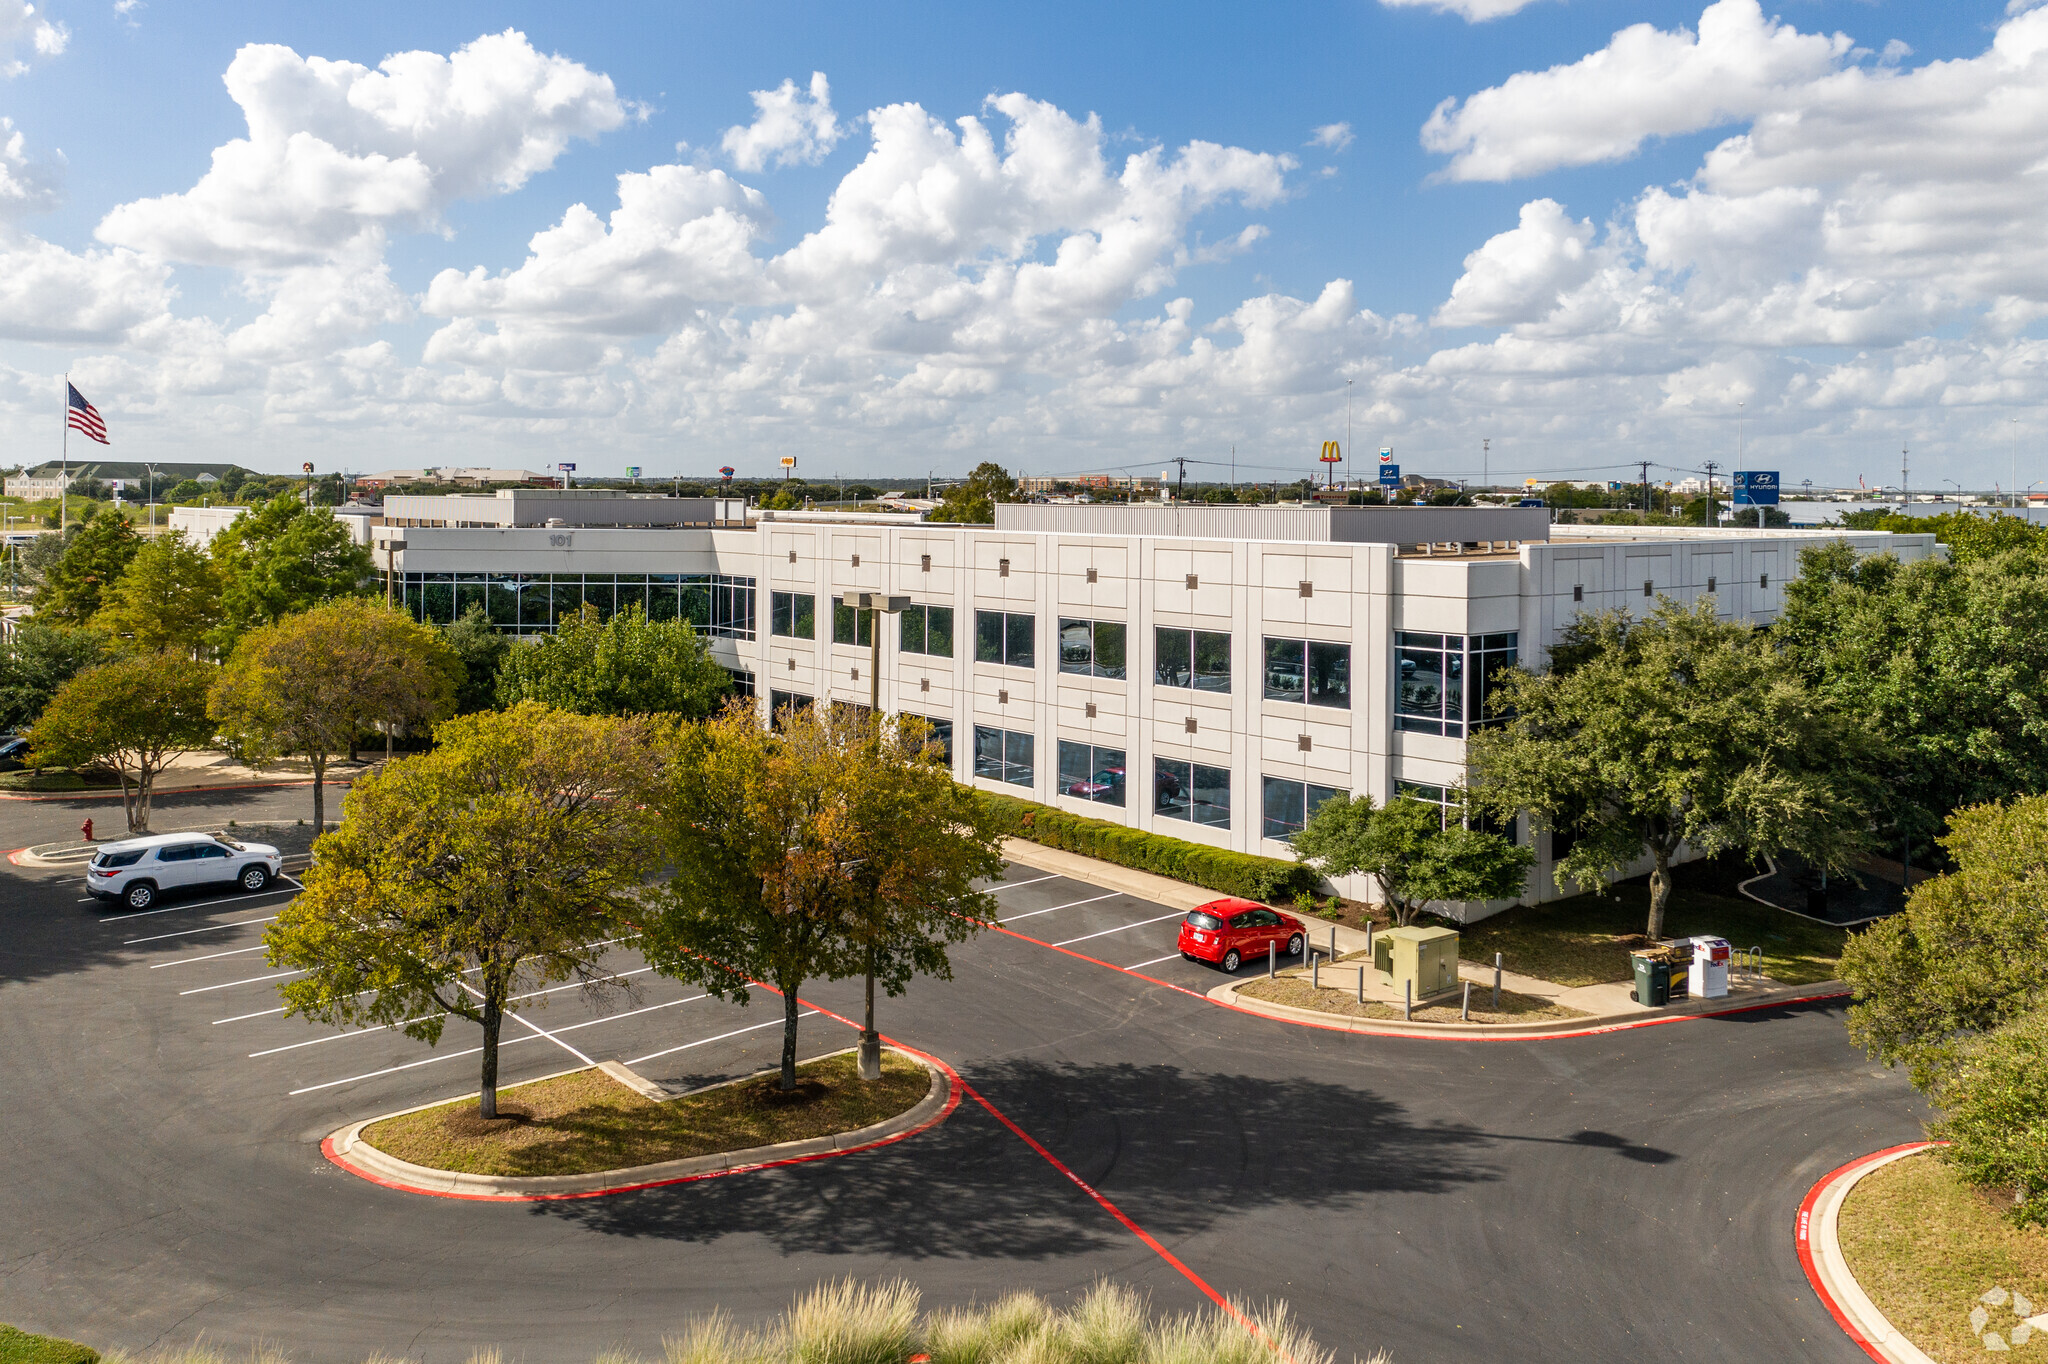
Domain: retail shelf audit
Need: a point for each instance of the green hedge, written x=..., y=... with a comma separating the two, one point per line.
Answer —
x=19, y=1347
x=1218, y=869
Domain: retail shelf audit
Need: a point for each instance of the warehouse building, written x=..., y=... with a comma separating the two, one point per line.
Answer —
x=1212, y=673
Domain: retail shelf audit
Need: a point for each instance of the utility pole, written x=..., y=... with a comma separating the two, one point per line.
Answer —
x=1486, y=463
x=1905, y=498
x=1181, y=480
x=1347, y=431
x=1646, y=485
x=1711, y=466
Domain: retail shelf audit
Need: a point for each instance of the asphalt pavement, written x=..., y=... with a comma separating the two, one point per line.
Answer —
x=1616, y=1197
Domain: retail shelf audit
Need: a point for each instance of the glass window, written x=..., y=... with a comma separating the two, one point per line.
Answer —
x=440, y=599
x=794, y=614
x=1191, y=658
x=1088, y=772
x=1286, y=669
x=1329, y=675
x=1286, y=805
x=780, y=702
x=1003, y=755
x=1109, y=649
x=1190, y=791
x=1092, y=648
x=938, y=734
x=1451, y=801
x=1445, y=682
x=501, y=601
x=927, y=630
x=597, y=592
x=850, y=626
x=1212, y=661
x=742, y=681
x=469, y=591
x=1492, y=655
x=1003, y=637
x=664, y=596
x=697, y=600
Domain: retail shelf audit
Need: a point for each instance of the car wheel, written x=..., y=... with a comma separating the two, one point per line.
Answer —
x=141, y=895
x=255, y=878
x=1294, y=946
x=1231, y=960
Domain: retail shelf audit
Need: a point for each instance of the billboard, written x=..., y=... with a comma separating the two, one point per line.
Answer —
x=1386, y=455
x=1331, y=454
x=1390, y=475
x=1756, y=487
x=633, y=471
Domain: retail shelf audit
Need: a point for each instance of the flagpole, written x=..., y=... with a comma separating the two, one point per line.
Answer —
x=64, y=465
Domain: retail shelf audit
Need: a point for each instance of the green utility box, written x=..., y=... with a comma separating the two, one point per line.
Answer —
x=1425, y=958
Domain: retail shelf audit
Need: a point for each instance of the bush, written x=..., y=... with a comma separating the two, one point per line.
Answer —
x=19, y=1347
x=1995, y=1107
x=1218, y=869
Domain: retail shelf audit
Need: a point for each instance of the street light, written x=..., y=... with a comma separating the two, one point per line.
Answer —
x=879, y=604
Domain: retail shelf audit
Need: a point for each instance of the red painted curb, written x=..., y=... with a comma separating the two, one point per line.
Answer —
x=1802, y=1239
x=954, y=1084
x=170, y=791
x=1422, y=1036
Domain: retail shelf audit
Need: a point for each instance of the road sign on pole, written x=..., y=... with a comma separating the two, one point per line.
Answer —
x=1756, y=488
x=1390, y=475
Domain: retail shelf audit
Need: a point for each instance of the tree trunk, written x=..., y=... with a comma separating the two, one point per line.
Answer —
x=1660, y=892
x=319, y=794
x=789, y=1011
x=494, y=1017
x=131, y=808
x=145, y=788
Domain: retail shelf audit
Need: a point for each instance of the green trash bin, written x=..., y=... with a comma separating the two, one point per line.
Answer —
x=1653, y=981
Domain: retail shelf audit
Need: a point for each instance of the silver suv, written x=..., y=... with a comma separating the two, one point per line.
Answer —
x=137, y=870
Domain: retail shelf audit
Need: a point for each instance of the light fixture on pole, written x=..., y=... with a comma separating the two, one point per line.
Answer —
x=878, y=604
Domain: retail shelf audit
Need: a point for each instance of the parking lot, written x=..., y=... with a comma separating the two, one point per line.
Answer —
x=1448, y=1200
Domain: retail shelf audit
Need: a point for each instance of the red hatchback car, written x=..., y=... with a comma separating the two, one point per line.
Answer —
x=1229, y=932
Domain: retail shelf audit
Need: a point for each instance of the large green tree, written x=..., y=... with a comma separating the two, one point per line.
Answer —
x=1969, y=954
x=973, y=501
x=135, y=713
x=167, y=598
x=480, y=648
x=1411, y=853
x=467, y=879
x=281, y=558
x=1944, y=664
x=1645, y=737
x=627, y=665
x=314, y=683
x=94, y=559
x=1994, y=1115
x=35, y=660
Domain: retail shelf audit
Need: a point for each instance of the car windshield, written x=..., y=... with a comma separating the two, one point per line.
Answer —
x=1197, y=919
x=227, y=842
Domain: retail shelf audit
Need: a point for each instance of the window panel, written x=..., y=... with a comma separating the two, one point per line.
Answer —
x=697, y=600
x=1212, y=661
x=1282, y=807
x=988, y=636
x=793, y=614
x=1002, y=755
x=566, y=592
x=1109, y=651
x=1003, y=637
x=1329, y=675
x=664, y=598
x=1286, y=669
x=501, y=601
x=1090, y=772
x=1077, y=647
x=469, y=591
x=1191, y=791
x=851, y=626
x=938, y=639
x=1172, y=660
x=1017, y=641
x=597, y=592
x=910, y=630
x=440, y=599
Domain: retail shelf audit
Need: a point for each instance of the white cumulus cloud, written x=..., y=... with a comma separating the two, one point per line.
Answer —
x=1472, y=11
x=1332, y=137
x=791, y=127
x=21, y=28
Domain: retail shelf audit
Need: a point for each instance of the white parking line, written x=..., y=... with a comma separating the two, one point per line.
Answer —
x=387, y=1027
x=260, y=1013
x=526, y=1022
x=210, y=928
x=1036, y=912
x=771, y=1023
x=230, y=984
x=1012, y=885
x=1154, y=962
x=264, y=1013
x=200, y=904
x=210, y=956
x=450, y=1056
x=1178, y=913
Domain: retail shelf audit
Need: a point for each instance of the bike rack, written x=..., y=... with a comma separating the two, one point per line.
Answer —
x=1751, y=960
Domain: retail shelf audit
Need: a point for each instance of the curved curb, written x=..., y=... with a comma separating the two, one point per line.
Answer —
x=347, y=1149
x=1820, y=1255
x=1227, y=996
x=91, y=794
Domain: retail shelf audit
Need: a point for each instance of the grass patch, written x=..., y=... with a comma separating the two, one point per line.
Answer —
x=586, y=1122
x=1925, y=1247
x=1585, y=940
x=1295, y=991
x=57, y=779
x=19, y=1347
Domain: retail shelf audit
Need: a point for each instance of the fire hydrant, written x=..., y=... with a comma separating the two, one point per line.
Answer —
x=86, y=829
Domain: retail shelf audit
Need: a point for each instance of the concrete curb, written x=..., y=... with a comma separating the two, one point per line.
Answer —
x=75, y=853
x=115, y=793
x=1820, y=1255
x=347, y=1149
x=1227, y=995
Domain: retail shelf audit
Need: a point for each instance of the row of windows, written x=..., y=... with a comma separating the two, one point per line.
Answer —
x=535, y=603
x=1446, y=682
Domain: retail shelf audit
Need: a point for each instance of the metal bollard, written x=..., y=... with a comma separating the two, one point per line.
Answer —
x=1465, y=1011
x=1496, y=982
x=1361, y=980
x=1408, y=999
x=1272, y=956
x=1315, y=972
x=1368, y=937
x=1333, y=942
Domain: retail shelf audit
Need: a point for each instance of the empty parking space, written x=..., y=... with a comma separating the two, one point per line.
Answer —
x=1118, y=929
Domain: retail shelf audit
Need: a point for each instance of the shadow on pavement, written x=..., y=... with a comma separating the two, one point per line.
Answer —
x=1175, y=1151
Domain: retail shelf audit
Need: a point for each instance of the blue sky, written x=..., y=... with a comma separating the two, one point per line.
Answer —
x=1855, y=271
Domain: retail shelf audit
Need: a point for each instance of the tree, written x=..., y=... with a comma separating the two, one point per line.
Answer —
x=1678, y=730
x=43, y=555
x=1411, y=854
x=1970, y=953
x=313, y=683
x=467, y=878
x=480, y=649
x=1944, y=664
x=167, y=598
x=93, y=561
x=136, y=714
x=628, y=665
x=282, y=558
x=973, y=501
x=757, y=829
x=1994, y=1106
x=35, y=660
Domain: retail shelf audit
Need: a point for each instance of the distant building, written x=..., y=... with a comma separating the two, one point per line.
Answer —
x=52, y=478
x=461, y=477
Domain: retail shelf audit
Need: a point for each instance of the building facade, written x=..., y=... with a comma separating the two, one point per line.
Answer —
x=1208, y=673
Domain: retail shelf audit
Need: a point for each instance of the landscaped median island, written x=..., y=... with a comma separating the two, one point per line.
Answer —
x=587, y=1122
x=1292, y=988
x=1938, y=1259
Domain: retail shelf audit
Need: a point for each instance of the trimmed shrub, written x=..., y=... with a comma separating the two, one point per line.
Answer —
x=19, y=1347
x=1995, y=1116
x=1218, y=869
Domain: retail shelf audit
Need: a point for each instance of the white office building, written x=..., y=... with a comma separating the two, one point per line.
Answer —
x=1211, y=673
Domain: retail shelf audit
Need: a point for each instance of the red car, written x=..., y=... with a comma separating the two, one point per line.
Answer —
x=1228, y=932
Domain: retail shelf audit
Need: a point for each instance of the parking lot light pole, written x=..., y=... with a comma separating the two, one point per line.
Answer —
x=877, y=605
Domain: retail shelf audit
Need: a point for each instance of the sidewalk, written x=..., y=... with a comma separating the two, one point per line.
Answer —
x=212, y=771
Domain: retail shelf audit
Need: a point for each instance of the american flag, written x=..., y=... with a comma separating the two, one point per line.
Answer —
x=85, y=417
